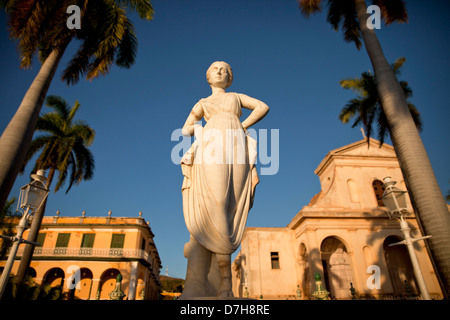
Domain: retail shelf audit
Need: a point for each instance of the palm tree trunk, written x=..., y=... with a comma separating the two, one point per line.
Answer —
x=17, y=136
x=430, y=207
x=33, y=235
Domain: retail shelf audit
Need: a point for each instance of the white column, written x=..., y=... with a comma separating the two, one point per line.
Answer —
x=133, y=281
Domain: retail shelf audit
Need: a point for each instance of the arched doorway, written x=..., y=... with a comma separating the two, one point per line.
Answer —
x=400, y=267
x=107, y=283
x=83, y=291
x=336, y=267
x=54, y=277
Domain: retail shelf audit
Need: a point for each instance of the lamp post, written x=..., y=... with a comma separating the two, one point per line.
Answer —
x=31, y=197
x=395, y=200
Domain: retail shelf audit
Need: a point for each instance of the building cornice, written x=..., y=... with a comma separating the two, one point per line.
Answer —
x=337, y=213
x=340, y=153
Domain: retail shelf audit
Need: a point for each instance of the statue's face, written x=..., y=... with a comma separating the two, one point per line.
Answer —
x=218, y=75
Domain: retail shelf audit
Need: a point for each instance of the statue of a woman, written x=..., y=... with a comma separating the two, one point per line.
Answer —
x=219, y=182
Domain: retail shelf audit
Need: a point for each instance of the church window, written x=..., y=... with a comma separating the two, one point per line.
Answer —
x=378, y=188
x=275, y=260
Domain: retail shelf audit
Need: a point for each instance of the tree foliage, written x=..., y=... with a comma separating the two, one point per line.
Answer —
x=107, y=35
x=29, y=290
x=342, y=15
x=367, y=107
x=7, y=225
x=64, y=145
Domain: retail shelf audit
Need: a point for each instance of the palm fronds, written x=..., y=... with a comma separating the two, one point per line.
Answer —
x=107, y=35
x=342, y=15
x=392, y=10
x=63, y=146
x=309, y=7
x=367, y=109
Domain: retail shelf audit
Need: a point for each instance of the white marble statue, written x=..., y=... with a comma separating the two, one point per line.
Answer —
x=219, y=183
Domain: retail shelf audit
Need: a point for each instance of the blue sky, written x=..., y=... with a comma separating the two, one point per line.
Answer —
x=291, y=63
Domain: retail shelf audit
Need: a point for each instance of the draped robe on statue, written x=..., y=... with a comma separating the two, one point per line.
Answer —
x=219, y=176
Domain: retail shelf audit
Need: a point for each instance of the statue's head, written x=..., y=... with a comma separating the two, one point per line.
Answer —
x=219, y=74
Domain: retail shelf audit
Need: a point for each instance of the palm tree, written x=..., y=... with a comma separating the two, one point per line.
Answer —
x=106, y=37
x=63, y=149
x=430, y=207
x=367, y=107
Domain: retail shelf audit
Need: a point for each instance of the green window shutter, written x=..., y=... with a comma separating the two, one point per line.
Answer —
x=63, y=240
x=117, y=241
x=88, y=240
x=41, y=238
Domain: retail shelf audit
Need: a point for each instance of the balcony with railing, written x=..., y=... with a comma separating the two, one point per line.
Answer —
x=112, y=253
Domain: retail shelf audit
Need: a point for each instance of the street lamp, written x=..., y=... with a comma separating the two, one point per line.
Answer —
x=31, y=197
x=395, y=201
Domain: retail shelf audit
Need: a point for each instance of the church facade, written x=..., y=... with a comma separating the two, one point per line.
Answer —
x=342, y=234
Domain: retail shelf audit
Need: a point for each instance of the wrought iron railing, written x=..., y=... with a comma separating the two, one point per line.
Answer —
x=90, y=252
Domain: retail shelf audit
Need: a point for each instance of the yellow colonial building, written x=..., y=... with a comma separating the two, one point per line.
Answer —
x=342, y=235
x=84, y=255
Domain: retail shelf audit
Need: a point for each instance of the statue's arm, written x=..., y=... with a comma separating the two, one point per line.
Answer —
x=195, y=115
x=260, y=109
